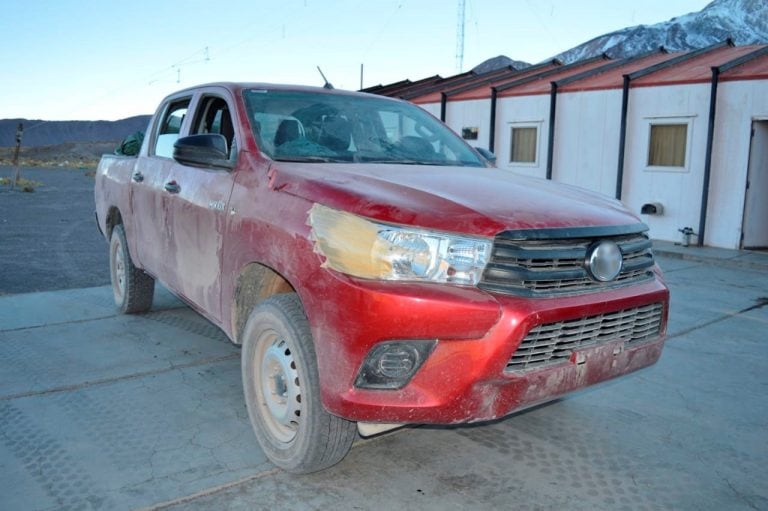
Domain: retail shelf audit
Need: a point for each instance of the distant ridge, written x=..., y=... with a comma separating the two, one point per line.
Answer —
x=48, y=133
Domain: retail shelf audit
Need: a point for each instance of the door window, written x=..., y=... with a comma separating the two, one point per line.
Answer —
x=214, y=117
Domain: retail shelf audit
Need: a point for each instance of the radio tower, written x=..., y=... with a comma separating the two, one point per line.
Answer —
x=460, y=37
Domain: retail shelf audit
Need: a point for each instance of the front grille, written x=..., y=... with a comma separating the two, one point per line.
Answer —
x=553, y=267
x=554, y=343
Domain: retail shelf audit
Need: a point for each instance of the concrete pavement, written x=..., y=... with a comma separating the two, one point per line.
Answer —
x=101, y=411
x=755, y=259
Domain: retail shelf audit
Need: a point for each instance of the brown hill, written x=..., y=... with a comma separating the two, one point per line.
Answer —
x=50, y=133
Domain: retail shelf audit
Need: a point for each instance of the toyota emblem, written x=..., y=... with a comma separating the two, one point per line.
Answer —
x=604, y=261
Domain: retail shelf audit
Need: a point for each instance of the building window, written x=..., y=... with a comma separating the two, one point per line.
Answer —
x=469, y=133
x=667, y=145
x=523, y=148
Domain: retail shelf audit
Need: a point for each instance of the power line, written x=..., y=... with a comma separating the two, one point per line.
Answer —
x=383, y=28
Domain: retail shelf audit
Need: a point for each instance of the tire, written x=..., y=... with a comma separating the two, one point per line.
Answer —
x=132, y=288
x=282, y=390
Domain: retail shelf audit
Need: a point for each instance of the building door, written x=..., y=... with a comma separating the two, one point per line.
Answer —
x=755, y=225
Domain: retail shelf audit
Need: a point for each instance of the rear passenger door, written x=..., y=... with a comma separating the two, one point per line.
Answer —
x=149, y=196
x=199, y=211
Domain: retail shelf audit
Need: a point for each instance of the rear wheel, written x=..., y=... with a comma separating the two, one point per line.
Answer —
x=282, y=390
x=132, y=288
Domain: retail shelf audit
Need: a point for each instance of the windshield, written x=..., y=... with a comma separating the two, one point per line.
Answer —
x=323, y=127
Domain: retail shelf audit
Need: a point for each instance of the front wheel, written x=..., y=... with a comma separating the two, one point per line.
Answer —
x=282, y=390
x=132, y=288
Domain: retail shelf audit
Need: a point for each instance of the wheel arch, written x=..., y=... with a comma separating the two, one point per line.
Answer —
x=255, y=283
x=113, y=218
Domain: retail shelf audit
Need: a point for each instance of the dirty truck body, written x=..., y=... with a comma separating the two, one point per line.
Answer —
x=375, y=268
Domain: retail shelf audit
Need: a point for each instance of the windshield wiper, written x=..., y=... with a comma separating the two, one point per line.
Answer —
x=311, y=159
x=408, y=162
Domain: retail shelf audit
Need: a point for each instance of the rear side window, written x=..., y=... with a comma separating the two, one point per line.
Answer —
x=170, y=127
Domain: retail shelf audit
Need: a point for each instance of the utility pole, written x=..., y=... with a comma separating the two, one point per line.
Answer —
x=17, y=176
x=460, y=37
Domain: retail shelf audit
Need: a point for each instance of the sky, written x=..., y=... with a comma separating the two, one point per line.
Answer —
x=108, y=60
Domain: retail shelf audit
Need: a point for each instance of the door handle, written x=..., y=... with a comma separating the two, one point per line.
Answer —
x=172, y=187
x=137, y=177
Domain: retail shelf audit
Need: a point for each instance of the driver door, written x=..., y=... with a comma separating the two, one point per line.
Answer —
x=199, y=211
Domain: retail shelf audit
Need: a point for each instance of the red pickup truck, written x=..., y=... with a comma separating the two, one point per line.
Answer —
x=375, y=268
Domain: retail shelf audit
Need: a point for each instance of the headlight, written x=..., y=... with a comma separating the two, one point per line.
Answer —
x=362, y=248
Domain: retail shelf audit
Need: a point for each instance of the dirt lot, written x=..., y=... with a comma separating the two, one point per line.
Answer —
x=49, y=239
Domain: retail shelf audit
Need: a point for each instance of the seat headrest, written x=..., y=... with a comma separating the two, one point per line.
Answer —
x=287, y=130
x=336, y=133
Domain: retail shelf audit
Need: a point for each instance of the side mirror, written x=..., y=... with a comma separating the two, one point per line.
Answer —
x=207, y=150
x=485, y=153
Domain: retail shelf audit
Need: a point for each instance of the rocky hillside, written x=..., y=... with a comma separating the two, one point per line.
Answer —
x=745, y=21
x=49, y=133
x=497, y=63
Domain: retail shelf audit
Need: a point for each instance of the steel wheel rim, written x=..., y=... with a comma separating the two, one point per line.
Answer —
x=277, y=387
x=118, y=270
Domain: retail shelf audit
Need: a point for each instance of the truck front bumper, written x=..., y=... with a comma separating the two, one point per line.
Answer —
x=466, y=377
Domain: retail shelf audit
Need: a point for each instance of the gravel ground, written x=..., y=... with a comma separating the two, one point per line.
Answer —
x=49, y=239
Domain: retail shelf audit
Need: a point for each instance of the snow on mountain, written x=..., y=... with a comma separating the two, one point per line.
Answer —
x=745, y=21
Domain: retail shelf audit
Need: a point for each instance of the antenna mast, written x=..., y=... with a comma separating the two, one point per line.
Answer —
x=327, y=83
x=460, y=36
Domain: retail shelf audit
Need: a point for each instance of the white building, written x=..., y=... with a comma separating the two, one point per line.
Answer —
x=684, y=134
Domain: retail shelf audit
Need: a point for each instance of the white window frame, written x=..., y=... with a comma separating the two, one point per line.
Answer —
x=668, y=120
x=537, y=151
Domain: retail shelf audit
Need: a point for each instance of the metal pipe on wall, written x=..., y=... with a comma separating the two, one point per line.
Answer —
x=551, y=143
x=443, y=104
x=622, y=136
x=492, y=127
x=708, y=154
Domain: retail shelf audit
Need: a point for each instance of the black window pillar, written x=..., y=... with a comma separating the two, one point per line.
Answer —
x=622, y=136
x=551, y=142
x=492, y=127
x=708, y=155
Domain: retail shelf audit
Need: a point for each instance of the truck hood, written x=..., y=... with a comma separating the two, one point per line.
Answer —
x=467, y=200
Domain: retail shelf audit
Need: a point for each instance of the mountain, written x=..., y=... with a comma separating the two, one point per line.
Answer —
x=745, y=21
x=499, y=62
x=47, y=133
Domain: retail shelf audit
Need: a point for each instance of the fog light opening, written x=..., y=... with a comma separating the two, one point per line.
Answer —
x=392, y=364
x=398, y=362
